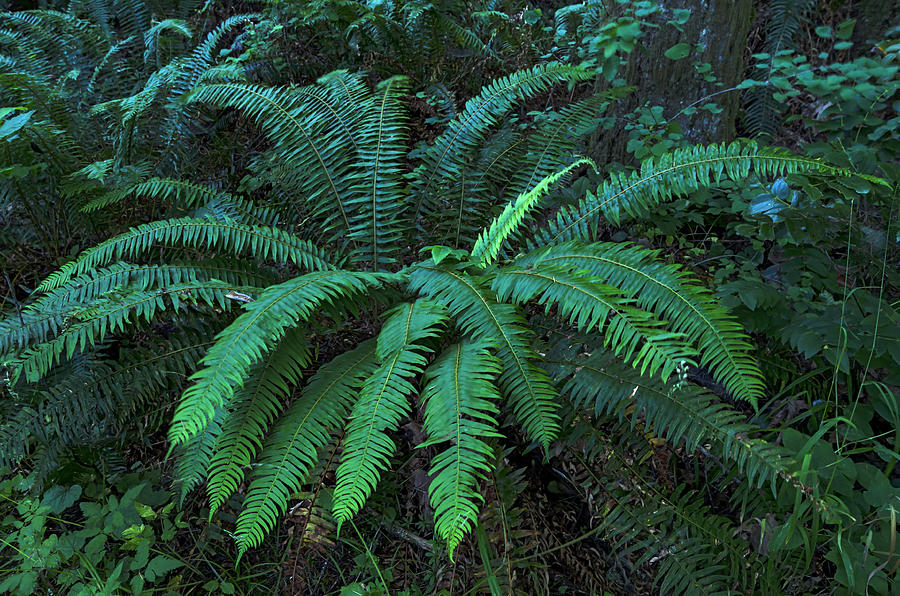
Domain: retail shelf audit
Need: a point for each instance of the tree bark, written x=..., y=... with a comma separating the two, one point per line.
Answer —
x=717, y=33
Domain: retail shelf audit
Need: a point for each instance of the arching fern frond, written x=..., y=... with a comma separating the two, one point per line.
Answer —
x=383, y=401
x=556, y=142
x=668, y=291
x=674, y=174
x=152, y=35
x=290, y=452
x=186, y=194
x=479, y=315
x=446, y=158
x=261, y=242
x=48, y=314
x=90, y=325
x=682, y=414
x=489, y=243
x=251, y=335
x=312, y=133
x=250, y=412
x=635, y=335
x=460, y=407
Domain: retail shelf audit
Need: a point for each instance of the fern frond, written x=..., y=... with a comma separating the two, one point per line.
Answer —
x=674, y=174
x=681, y=534
x=290, y=452
x=252, y=409
x=152, y=35
x=261, y=242
x=383, y=152
x=489, y=243
x=383, y=401
x=460, y=407
x=635, y=335
x=193, y=456
x=555, y=143
x=314, y=139
x=446, y=158
x=90, y=325
x=48, y=314
x=183, y=192
x=475, y=195
x=250, y=336
x=684, y=414
x=186, y=76
x=479, y=315
x=671, y=293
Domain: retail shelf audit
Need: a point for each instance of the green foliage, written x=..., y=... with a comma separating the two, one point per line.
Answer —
x=254, y=245
x=111, y=544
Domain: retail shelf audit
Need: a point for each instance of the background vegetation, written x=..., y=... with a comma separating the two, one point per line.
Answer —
x=341, y=297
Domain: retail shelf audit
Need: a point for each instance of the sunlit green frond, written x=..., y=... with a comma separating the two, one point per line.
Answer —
x=251, y=335
x=480, y=315
x=259, y=241
x=491, y=240
x=585, y=301
x=674, y=174
x=383, y=401
x=673, y=295
x=251, y=411
x=460, y=407
x=290, y=452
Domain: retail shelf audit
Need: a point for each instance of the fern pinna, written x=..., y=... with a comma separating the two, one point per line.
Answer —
x=457, y=331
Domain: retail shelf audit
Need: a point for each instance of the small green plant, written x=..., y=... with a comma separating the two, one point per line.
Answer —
x=87, y=541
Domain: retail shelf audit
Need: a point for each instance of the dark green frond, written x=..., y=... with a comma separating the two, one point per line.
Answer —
x=312, y=132
x=87, y=327
x=48, y=314
x=186, y=194
x=446, y=158
x=260, y=241
x=555, y=143
x=679, y=412
x=376, y=207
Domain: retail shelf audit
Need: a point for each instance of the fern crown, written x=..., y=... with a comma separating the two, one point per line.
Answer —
x=457, y=340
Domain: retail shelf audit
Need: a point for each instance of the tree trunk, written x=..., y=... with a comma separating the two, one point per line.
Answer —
x=717, y=34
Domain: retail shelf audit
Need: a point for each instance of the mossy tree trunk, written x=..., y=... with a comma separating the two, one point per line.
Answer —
x=717, y=34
